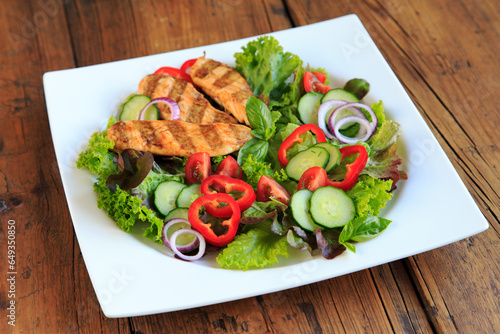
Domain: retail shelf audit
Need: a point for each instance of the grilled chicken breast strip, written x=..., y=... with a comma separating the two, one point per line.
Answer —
x=194, y=108
x=224, y=84
x=178, y=138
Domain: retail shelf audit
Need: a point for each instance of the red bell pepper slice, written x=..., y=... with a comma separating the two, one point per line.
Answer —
x=212, y=201
x=226, y=184
x=187, y=65
x=229, y=167
x=353, y=169
x=294, y=137
x=175, y=72
x=312, y=179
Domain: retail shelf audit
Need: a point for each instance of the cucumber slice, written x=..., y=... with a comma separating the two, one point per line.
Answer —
x=177, y=213
x=299, y=204
x=166, y=194
x=188, y=195
x=133, y=106
x=308, y=107
x=339, y=94
x=330, y=207
x=335, y=156
x=302, y=161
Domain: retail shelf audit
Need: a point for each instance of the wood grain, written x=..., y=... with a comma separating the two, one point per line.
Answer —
x=31, y=190
x=444, y=52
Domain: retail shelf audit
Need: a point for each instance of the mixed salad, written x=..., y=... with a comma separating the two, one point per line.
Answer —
x=315, y=176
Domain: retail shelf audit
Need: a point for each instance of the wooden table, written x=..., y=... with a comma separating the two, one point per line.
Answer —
x=446, y=54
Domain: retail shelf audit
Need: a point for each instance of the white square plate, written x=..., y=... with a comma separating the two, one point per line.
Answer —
x=132, y=276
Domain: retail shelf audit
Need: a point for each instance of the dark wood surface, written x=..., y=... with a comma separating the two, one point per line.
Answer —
x=445, y=52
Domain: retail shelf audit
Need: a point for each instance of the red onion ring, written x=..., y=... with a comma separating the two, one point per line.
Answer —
x=334, y=117
x=201, y=249
x=357, y=106
x=175, y=113
x=323, y=110
x=364, y=133
x=165, y=235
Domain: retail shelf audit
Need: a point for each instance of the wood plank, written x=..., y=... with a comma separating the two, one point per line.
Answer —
x=39, y=42
x=101, y=33
x=179, y=25
x=31, y=191
x=400, y=300
x=233, y=317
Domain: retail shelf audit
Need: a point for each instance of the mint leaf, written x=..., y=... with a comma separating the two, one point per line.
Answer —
x=349, y=246
x=345, y=236
x=260, y=119
x=366, y=228
x=257, y=148
x=362, y=229
x=346, y=233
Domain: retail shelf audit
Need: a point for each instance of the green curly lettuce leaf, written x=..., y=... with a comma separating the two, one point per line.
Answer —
x=370, y=195
x=267, y=69
x=378, y=109
x=97, y=157
x=126, y=209
x=254, y=169
x=256, y=248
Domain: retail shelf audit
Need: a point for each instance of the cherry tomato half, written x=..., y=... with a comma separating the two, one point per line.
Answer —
x=312, y=179
x=198, y=167
x=320, y=76
x=267, y=187
x=175, y=72
x=229, y=167
x=312, y=83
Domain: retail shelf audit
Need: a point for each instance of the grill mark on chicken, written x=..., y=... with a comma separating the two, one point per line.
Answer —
x=212, y=137
x=147, y=134
x=181, y=136
x=178, y=89
x=150, y=85
x=220, y=119
x=197, y=110
x=227, y=78
x=206, y=69
x=240, y=96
